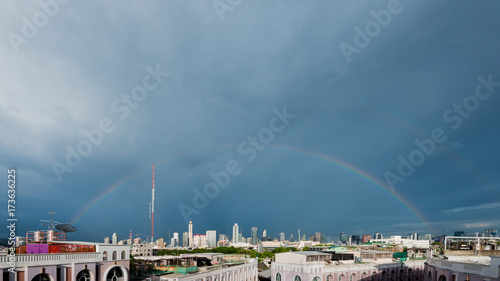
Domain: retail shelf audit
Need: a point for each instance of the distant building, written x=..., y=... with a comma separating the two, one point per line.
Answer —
x=317, y=237
x=253, y=237
x=490, y=232
x=282, y=237
x=236, y=233
x=264, y=233
x=343, y=238
x=142, y=250
x=190, y=231
x=428, y=237
x=211, y=238
x=199, y=241
x=378, y=236
x=291, y=239
x=355, y=240
x=185, y=239
x=460, y=233
x=366, y=238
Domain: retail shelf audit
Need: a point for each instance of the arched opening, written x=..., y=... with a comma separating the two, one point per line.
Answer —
x=83, y=275
x=41, y=277
x=114, y=256
x=329, y=278
x=401, y=275
x=384, y=275
x=316, y=278
x=363, y=276
x=393, y=275
x=105, y=256
x=115, y=274
x=297, y=278
x=352, y=277
x=410, y=272
x=124, y=255
x=278, y=276
x=442, y=278
x=342, y=277
x=429, y=276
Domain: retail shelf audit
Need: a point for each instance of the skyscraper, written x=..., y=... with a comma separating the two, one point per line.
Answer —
x=490, y=232
x=211, y=238
x=264, y=233
x=185, y=239
x=291, y=239
x=378, y=236
x=342, y=238
x=317, y=237
x=254, y=236
x=190, y=230
x=282, y=237
x=236, y=232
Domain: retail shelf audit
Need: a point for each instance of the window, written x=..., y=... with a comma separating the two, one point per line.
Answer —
x=124, y=255
x=316, y=278
x=278, y=276
x=83, y=275
x=297, y=278
x=114, y=255
x=115, y=274
x=105, y=256
x=41, y=277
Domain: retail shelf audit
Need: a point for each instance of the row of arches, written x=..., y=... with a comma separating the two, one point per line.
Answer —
x=114, y=256
x=242, y=274
x=114, y=274
x=402, y=274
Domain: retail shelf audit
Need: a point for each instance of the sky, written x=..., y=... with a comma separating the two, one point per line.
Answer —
x=360, y=117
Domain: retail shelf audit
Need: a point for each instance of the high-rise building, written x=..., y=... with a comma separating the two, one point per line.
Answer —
x=190, y=231
x=303, y=238
x=490, y=232
x=282, y=237
x=343, y=238
x=323, y=238
x=355, y=239
x=241, y=238
x=174, y=242
x=428, y=237
x=211, y=238
x=460, y=233
x=236, y=232
x=378, y=236
x=253, y=237
x=291, y=239
x=317, y=237
x=185, y=239
x=264, y=233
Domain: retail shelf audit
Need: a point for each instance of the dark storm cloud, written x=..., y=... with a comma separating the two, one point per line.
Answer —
x=226, y=77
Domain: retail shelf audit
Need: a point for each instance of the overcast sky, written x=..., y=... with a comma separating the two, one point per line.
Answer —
x=324, y=116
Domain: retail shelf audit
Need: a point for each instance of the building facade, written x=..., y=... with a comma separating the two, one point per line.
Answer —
x=316, y=266
x=100, y=262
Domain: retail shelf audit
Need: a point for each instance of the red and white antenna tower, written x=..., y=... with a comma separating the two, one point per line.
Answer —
x=153, y=205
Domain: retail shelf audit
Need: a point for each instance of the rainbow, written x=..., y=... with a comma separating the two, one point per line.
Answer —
x=336, y=162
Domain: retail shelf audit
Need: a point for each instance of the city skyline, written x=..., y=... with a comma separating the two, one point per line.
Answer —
x=328, y=117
